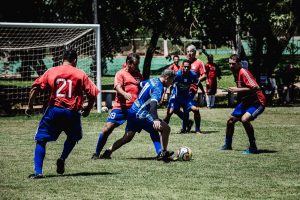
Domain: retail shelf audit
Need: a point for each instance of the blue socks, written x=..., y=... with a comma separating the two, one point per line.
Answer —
x=101, y=142
x=39, y=155
x=156, y=141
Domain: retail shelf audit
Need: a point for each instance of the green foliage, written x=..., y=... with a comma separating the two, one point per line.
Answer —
x=132, y=173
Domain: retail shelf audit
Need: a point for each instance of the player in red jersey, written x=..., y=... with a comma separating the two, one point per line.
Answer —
x=67, y=86
x=252, y=104
x=126, y=84
x=175, y=65
x=198, y=67
x=212, y=73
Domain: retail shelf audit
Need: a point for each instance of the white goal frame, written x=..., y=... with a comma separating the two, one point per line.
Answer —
x=96, y=28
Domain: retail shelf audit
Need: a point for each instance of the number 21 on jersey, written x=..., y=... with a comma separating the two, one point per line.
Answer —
x=64, y=83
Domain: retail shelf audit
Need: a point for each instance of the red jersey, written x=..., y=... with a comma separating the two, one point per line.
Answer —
x=198, y=67
x=129, y=82
x=174, y=67
x=211, y=70
x=245, y=79
x=67, y=85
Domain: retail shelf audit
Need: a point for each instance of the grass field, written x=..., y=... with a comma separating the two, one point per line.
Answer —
x=133, y=174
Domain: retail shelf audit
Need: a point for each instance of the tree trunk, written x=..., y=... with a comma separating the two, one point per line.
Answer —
x=149, y=54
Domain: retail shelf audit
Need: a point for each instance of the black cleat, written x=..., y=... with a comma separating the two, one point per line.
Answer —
x=106, y=154
x=182, y=131
x=190, y=125
x=226, y=147
x=34, y=176
x=60, y=164
x=165, y=156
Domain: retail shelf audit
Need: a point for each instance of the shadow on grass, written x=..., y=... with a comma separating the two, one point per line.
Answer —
x=81, y=174
x=143, y=158
x=261, y=151
x=203, y=132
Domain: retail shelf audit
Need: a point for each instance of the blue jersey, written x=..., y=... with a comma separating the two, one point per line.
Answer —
x=181, y=84
x=152, y=90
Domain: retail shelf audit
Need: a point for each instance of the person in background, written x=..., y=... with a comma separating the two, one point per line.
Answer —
x=175, y=65
x=212, y=72
x=67, y=86
x=252, y=104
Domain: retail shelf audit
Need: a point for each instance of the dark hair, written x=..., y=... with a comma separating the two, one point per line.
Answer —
x=186, y=61
x=132, y=57
x=235, y=57
x=175, y=56
x=70, y=55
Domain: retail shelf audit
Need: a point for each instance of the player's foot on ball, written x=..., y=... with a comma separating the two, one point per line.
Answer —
x=106, y=154
x=226, y=147
x=95, y=156
x=34, y=176
x=60, y=164
x=190, y=125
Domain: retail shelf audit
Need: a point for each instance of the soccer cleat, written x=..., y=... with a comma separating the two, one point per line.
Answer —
x=190, y=125
x=198, y=131
x=226, y=147
x=106, y=154
x=60, y=164
x=34, y=176
x=95, y=156
x=165, y=155
x=182, y=131
x=250, y=151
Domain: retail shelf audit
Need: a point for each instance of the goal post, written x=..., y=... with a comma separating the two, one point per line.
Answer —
x=27, y=50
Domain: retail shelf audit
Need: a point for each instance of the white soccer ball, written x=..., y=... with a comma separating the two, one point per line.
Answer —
x=184, y=154
x=104, y=109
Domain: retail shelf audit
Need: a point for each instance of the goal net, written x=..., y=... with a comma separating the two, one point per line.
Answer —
x=27, y=50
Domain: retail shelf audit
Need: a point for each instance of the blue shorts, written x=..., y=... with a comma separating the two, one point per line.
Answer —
x=177, y=102
x=57, y=119
x=117, y=116
x=135, y=124
x=254, y=110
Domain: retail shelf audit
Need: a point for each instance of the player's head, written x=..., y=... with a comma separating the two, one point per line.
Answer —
x=167, y=77
x=234, y=62
x=133, y=61
x=70, y=55
x=186, y=66
x=191, y=52
x=176, y=59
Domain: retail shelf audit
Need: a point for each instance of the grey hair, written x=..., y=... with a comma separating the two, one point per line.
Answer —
x=168, y=73
x=191, y=47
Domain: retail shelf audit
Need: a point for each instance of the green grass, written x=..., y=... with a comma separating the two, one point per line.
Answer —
x=133, y=174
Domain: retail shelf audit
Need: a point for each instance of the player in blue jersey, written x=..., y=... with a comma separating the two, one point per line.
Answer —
x=143, y=116
x=181, y=97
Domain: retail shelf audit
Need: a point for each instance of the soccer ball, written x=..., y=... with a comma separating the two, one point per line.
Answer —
x=184, y=154
x=104, y=109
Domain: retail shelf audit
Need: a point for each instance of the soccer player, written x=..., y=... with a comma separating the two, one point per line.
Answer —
x=198, y=67
x=67, y=86
x=212, y=73
x=143, y=115
x=252, y=104
x=126, y=83
x=181, y=95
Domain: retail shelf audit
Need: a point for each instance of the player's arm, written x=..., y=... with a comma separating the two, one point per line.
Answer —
x=120, y=90
x=87, y=109
x=243, y=89
x=32, y=94
x=153, y=113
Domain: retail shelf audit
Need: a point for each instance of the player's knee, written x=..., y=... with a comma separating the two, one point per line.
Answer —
x=230, y=121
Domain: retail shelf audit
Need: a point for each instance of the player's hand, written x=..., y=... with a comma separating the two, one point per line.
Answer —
x=156, y=125
x=232, y=89
x=29, y=111
x=85, y=112
x=128, y=96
